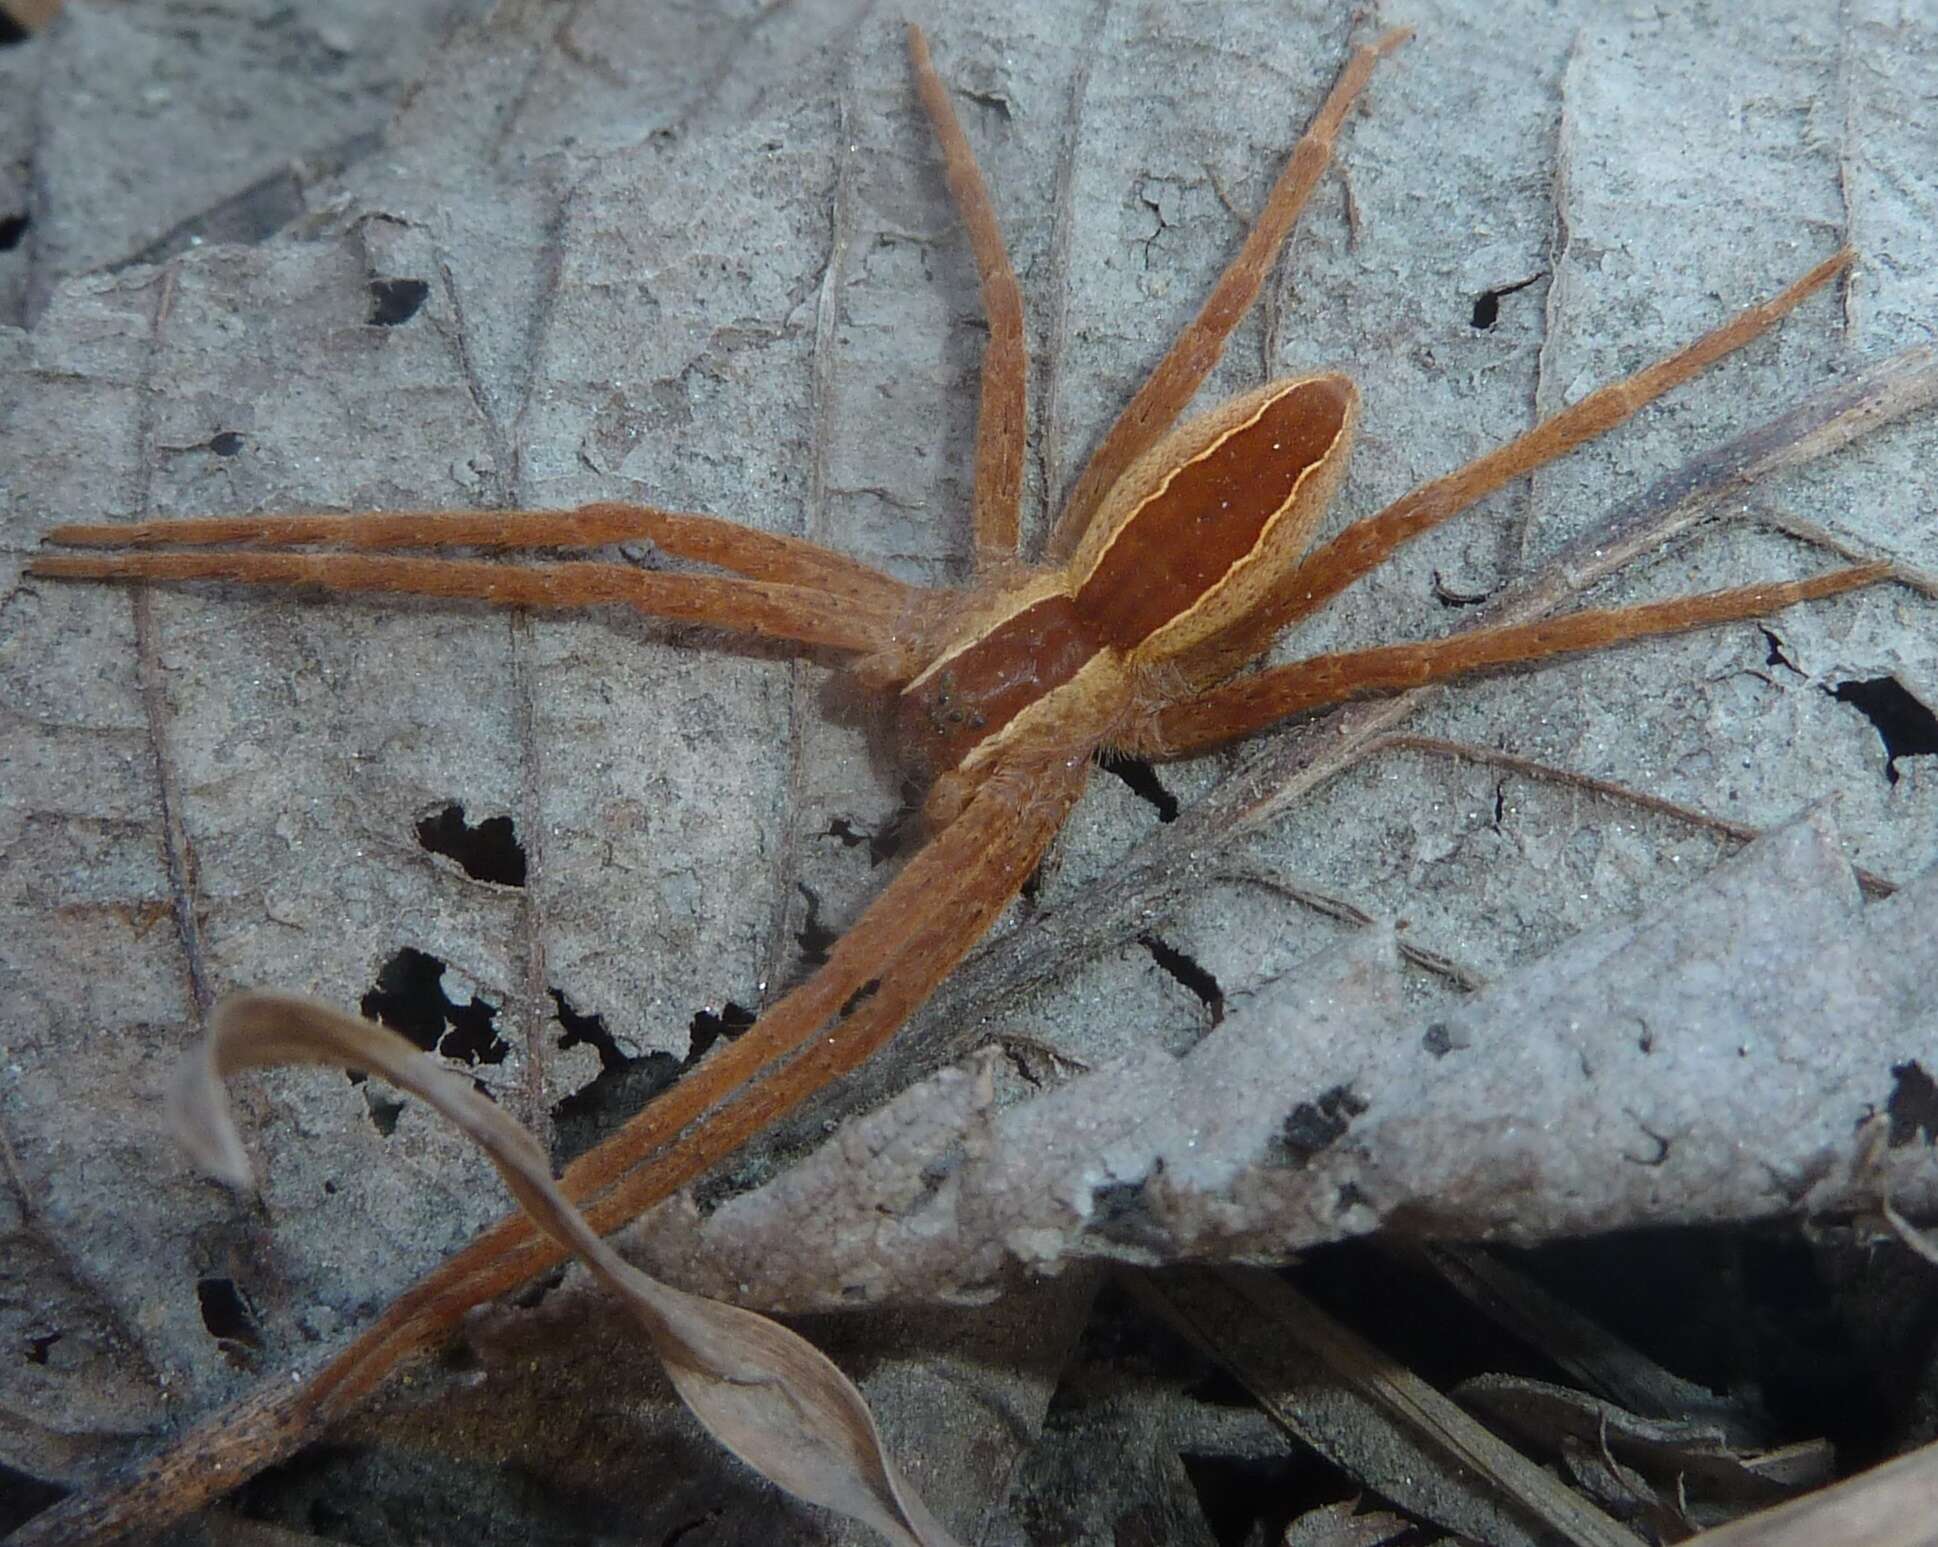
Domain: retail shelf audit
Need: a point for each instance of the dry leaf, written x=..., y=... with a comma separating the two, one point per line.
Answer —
x=760, y=1390
x=702, y=257
x=1639, y=1075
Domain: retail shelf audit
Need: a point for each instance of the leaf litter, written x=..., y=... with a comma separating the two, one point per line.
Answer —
x=763, y=1392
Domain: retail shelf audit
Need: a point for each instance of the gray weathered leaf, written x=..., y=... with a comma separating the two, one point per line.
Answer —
x=1717, y=1060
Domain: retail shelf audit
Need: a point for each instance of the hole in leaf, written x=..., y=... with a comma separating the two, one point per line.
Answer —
x=884, y=842
x=1141, y=779
x=1907, y=727
x=13, y=230
x=1487, y=305
x=225, y=443
x=815, y=939
x=624, y=1084
x=385, y=1109
x=1187, y=972
x=707, y=1028
x=489, y=851
x=1776, y=655
x=409, y=998
x=226, y=1313
x=395, y=301
x=1913, y=1106
x=1313, y=1126
x=38, y=1348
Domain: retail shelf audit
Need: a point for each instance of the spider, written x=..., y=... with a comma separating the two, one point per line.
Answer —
x=1182, y=552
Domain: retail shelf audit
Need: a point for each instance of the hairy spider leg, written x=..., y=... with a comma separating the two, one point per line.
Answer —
x=1177, y=377
x=1001, y=422
x=753, y=606
x=1251, y=703
x=704, y=539
x=1366, y=544
x=903, y=945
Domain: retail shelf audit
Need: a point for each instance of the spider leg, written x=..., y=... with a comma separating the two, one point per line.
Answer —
x=1366, y=544
x=1251, y=703
x=1000, y=420
x=800, y=613
x=1189, y=360
x=903, y=945
x=704, y=539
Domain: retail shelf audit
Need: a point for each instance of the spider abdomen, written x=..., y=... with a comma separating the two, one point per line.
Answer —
x=1193, y=535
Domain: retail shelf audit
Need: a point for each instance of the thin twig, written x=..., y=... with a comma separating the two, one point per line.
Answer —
x=1326, y=904
x=1873, y=884
x=1399, y=1435
x=1923, y=581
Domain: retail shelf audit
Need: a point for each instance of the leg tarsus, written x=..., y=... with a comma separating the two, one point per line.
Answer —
x=1001, y=422
x=1190, y=359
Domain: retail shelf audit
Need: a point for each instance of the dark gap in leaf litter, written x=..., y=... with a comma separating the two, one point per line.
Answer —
x=624, y=1084
x=1907, y=727
x=1247, y=1499
x=13, y=230
x=384, y=1493
x=490, y=851
x=1125, y=1347
x=38, y=1348
x=394, y=302
x=1760, y=1313
x=11, y=31
x=686, y=1528
x=1186, y=971
x=225, y=443
x=23, y=1496
x=1141, y=779
x=1413, y=1315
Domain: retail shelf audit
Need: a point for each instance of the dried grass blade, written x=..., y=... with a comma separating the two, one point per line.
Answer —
x=763, y=1392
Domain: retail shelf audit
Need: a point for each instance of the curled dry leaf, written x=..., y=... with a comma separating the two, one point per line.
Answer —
x=763, y=1392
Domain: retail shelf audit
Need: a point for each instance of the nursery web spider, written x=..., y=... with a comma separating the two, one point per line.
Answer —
x=1181, y=553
